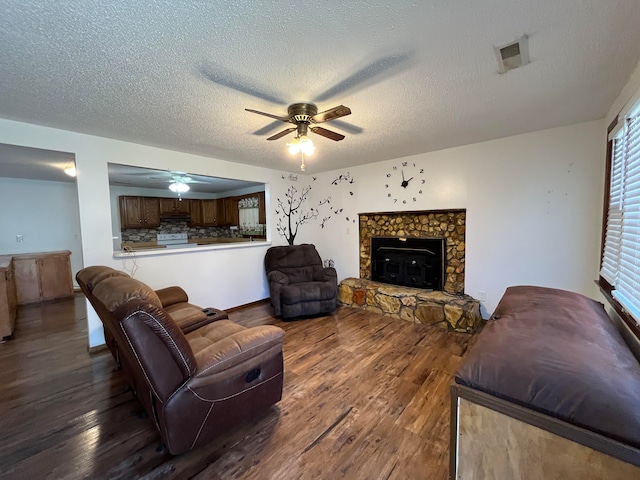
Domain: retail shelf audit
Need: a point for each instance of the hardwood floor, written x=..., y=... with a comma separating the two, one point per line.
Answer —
x=365, y=397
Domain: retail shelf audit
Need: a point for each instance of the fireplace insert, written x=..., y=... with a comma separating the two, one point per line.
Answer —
x=411, y=262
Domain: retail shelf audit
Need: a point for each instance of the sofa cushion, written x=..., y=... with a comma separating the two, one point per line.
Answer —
x=115, y=291
x=206, y=336
x=558, y=352
x=186, y=315
x=220, y=350
x=298, y=274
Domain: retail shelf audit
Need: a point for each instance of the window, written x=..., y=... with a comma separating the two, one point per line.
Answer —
x=621, y=252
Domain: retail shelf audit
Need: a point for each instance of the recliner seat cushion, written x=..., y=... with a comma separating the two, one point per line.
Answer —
x=307, y=292
x=206, y=336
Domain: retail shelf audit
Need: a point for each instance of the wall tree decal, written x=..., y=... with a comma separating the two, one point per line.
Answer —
x=291, y=213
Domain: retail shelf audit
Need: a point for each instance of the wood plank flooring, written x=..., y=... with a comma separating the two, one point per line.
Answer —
x=365, y=396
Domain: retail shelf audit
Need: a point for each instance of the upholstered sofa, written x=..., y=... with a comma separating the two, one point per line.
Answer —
x=549, y=390
x=298, y=283
x=195, y=372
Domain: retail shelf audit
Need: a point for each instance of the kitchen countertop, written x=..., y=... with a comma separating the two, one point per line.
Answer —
x=199, y=241
x=210, y=240
x=145, y=249
x=140, y=245
x=5, y=260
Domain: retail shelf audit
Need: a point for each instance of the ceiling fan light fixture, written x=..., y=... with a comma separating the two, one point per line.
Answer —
x=179, y=187
x=301, y=144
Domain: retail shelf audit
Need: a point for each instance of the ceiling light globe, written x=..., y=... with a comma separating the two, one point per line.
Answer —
x=305, y=145
x=294, y=146
x=293, y=149
x=179, y=187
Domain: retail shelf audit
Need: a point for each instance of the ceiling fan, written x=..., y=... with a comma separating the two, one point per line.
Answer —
x=304, y=116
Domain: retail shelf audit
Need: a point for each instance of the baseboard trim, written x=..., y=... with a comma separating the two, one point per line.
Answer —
x=250, y=304
x=97, y=349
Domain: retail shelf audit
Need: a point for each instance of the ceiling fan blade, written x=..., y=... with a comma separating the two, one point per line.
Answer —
x=282, y=133
x=284, y=119
x=327, y=133
x=335, y=112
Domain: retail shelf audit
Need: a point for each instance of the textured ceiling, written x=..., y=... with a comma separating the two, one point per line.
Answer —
x=418, y=75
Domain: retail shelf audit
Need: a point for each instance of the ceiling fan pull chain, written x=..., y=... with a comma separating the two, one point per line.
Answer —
x=302, y=167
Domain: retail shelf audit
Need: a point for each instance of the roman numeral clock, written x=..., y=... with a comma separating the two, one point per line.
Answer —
x=405, y=183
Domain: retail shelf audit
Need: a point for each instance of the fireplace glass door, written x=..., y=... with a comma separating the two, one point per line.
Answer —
x=411, y=262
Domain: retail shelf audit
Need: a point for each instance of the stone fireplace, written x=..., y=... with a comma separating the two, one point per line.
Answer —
x=449, y=225
x=440, y=300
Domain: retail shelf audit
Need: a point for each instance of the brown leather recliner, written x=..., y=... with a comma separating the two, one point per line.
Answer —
x=197, y=376
x=298, y=283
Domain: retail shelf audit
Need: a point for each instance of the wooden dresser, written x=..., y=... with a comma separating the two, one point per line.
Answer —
x=8, y=299
x=43, y=276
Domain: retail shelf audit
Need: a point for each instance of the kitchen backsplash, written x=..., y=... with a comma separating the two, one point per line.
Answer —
x=176, y=226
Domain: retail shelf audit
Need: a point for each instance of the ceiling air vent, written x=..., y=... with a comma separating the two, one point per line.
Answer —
x=513, y=55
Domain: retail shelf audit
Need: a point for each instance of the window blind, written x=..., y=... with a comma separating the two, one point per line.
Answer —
x=613, y=237
x=621, y=262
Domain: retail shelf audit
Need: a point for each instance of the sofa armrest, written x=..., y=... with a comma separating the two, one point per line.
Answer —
x=189, y=317
x=325, y=274
x=236, y=349
x=276, y=280
x=172, y=295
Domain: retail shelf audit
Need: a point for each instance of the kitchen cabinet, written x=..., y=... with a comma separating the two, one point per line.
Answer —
x=139, y=212
x=42, y=276
x=221, y=209
x=209, y=213
x=174, y=206
x=232, y=213
x=195, y=207
x=8, y=300
x=262, y=211
x=228, y=211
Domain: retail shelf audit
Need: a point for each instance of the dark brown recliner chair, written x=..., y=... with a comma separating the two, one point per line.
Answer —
x=298, y=283
x=195, y=376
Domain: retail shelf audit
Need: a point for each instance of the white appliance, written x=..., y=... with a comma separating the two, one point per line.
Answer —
x=174, y=240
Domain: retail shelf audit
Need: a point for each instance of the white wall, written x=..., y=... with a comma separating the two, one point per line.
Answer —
x=534, y=209
x=533, y=201
x=44, y=213
x=220, y=278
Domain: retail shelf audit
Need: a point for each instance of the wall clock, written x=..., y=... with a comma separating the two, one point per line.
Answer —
x=405, y=183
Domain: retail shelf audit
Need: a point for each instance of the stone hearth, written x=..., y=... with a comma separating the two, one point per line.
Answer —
x=457, y=312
